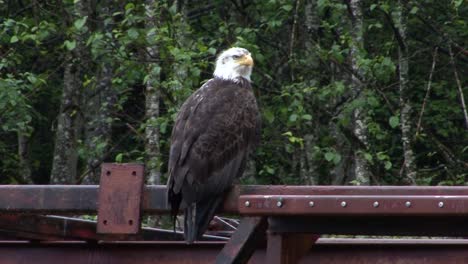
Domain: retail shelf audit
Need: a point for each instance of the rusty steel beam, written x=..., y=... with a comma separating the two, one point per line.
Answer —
x=369, y=205
x=244, y=241
x=288, y=248
x=424, y=252
x=38, y=227
x=83, y=199
x=376, y=225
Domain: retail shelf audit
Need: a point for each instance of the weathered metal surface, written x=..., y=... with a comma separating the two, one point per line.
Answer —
x=77, y=199
x=37, y=227
x=288, y=248
x=120, y=198
x=69, y=199
x=376, y=225
x=369, y=205
x=243, y=242
x=427, y=252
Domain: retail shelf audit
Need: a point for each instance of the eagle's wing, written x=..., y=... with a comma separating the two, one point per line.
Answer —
x=211, y=138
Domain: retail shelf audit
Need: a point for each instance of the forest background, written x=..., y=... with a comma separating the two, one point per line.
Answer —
x=351, y=92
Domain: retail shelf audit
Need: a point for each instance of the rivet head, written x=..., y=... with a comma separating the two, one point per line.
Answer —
x=279, y=203
x=247, y=203
x=441, y=204
x=408, y=204
x=343, y=204
x=311, y=203
x=376, y=204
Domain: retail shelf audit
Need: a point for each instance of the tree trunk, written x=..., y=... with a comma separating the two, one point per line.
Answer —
x=69, y=121
x=309, y=168
x=99, y=109
x=152, y=135
x=361, y=166
x=24, y=159
x=459, y=86
x=65, y=154
x=408, y=171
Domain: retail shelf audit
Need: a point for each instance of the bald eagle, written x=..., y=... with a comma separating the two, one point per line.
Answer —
x=215, y=129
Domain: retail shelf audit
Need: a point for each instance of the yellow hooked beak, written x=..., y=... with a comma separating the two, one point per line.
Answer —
x=246, y=60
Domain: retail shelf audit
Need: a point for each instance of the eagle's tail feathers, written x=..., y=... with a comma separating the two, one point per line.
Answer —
x=198, y=217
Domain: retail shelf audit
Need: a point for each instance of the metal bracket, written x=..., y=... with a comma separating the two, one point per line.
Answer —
x=120, y=194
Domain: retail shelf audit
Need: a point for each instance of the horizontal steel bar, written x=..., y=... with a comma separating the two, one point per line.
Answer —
x=38, y=227
x=77, y=199
x=330, y=252
x=371, y=225
x=368, y=205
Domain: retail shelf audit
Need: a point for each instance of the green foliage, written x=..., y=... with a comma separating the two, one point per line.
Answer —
x=303, y=81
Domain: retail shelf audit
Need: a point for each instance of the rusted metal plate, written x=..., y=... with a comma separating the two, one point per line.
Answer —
x=120, y=198
x=321, y=253
x=369, y=205
x=244, y=241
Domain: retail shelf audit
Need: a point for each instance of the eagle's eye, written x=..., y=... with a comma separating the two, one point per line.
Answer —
x=236, y=57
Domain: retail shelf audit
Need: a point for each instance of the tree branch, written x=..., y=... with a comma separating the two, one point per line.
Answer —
x=429, y=82
x=460, y=89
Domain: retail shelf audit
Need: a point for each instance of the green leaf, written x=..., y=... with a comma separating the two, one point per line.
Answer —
x=129, y=6
x=79, y=23
x=287, y=8
x=212, y=51
x=307, y=117
x=394, y=121
x=414, y=10
x=70, y=45
x=388, y=165
x=32, y=79
x=336, y=159
x=293, y=117
x=133, y=33
x=269, y=116
x=119, y=158
x=14, y=39
x=329, y=156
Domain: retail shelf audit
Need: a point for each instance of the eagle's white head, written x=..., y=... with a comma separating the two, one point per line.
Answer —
x=234, y=63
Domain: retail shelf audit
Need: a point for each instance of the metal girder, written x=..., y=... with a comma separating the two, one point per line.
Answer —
x=83, y=199
x=345, y=205
x=38, y=227
x=323, y=252
x=244, y=241
x=376, y=225
x=288, y=248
